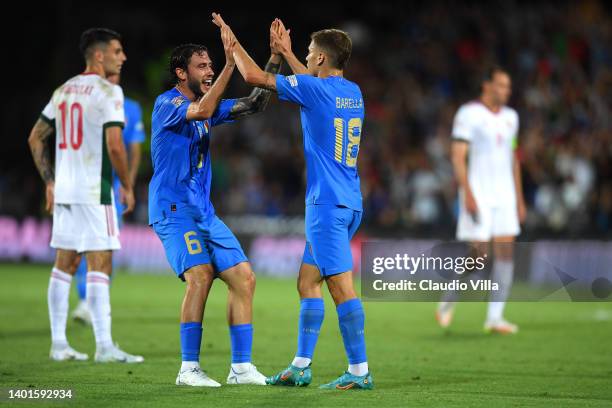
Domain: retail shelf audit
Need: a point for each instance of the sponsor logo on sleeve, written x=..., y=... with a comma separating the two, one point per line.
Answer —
x=292, y=81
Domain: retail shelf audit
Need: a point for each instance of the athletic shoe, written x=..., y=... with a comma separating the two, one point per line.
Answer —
x=348, y=381
x=292, y=375
x=65, y=353
x=444, y=314
x=115, y=355
x=250, y=376
x=500, y=326
x=195, y=377
x=81, y=313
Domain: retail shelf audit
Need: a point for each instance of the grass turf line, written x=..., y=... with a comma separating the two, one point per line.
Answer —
x=561, y=357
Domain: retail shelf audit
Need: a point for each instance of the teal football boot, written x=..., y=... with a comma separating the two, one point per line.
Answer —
x=292, y=376
x=348, y=381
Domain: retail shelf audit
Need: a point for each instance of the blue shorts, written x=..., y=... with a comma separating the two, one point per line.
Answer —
x=329, y=229
x=190, y=242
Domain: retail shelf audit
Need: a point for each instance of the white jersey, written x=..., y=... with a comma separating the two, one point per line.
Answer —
x=81, y=109
x=492, y=138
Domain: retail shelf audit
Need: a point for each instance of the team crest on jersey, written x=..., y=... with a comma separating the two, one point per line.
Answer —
x=178, y=101
x=206, y=128
x=118, y=105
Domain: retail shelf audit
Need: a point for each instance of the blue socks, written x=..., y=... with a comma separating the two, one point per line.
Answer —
x=81, y=278
x=351, y=320
x=191, y=338
x=241, y=336
x=312, y=312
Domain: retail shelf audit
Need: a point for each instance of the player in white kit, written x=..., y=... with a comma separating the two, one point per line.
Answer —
x=87, y=115
x=490, y=193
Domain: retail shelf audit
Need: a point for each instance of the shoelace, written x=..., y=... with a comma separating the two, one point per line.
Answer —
x=198, y=370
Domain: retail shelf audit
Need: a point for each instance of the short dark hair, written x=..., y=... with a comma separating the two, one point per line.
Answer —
x=489, y=72
x=337, y=45
x=96, y=36
x=181, y=56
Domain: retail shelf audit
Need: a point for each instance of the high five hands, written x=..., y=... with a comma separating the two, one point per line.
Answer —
x=280, y=41
x=227, y=37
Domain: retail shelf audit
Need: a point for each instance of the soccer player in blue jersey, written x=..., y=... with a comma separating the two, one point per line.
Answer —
x=332, y=114
x=198, y=245
x=133, y=137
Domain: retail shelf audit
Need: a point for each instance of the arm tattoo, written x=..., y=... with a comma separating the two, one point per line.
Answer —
x=41, y=151
x=257, y=100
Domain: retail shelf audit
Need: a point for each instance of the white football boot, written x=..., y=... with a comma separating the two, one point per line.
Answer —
x=250, y=376
x=115, y=355
x=64, y=353
x=500, y=326
x=444, y=314
x=81, y=313
x=195, y=377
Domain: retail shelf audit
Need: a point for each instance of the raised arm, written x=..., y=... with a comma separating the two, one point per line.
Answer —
x=250, y=71
x=39, y=146
x=259, y=97
x=281, y=40
x=205, y=107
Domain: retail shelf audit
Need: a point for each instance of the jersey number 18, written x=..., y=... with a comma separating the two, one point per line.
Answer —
x=353, y=132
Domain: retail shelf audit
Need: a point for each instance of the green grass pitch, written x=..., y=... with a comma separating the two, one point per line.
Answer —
x=562, y=356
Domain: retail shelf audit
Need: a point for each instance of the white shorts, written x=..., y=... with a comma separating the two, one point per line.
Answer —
x=491, y=222
x=85, y=227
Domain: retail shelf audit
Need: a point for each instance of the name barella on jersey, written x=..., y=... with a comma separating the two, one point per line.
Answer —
x=80, y=110
x=181, y=158
x=493, y=139
x=332, y=115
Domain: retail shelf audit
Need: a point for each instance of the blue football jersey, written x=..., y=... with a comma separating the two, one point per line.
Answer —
x=133, y=132
x=332, y=115
x=181, y=158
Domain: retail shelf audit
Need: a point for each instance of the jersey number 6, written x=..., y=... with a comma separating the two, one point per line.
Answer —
x=193, y=245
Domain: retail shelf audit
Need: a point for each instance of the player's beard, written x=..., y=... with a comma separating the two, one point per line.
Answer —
x=195, y=87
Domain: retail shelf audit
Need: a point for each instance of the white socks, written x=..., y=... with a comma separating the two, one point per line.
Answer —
x=502, y=274
x=189, y=365
x=57, y=298
x=241, y=367
x=301, y=362
x=98, y=300
x=360, y=369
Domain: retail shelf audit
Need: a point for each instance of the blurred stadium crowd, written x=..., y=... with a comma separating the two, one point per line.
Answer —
x=415, y=68
x=414, y=79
